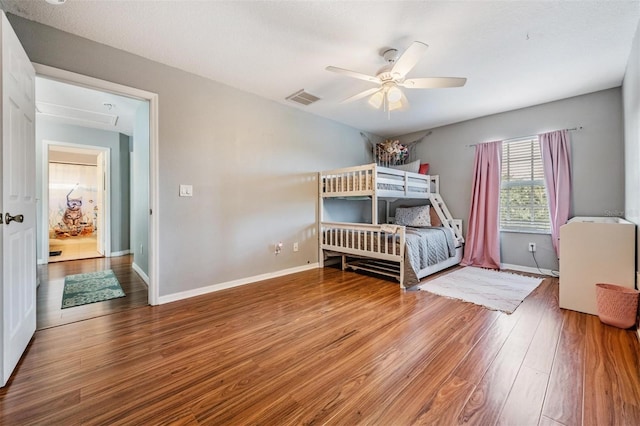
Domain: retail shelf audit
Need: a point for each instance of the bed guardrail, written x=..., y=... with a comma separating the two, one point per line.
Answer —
x=384, y=241
x=374, y=180
x=379, y=242
x=349, y=181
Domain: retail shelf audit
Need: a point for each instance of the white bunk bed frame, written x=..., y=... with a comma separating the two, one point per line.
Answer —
x=369, y=243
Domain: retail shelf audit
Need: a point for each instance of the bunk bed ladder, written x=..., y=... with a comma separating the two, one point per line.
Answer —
x=444, y=214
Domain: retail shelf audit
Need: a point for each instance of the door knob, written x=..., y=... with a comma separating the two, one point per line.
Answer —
x=17, y=218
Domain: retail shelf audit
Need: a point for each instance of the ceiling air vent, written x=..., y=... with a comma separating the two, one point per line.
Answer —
x=303, y=98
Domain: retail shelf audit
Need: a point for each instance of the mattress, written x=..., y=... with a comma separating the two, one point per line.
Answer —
x=426, y=247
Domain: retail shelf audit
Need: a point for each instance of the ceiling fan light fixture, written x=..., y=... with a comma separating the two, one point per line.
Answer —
x=392, y=106
x=394, y=94
x=376, y=100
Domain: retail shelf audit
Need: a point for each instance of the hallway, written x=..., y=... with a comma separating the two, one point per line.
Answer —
x=51, y=278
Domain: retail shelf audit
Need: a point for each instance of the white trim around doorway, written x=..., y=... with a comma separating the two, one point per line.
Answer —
x=152, y=98
x=106, y=232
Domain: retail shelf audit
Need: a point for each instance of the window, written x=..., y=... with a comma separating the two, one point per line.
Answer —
x=523, y=198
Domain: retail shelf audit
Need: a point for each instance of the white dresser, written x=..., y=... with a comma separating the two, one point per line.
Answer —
x=594, y=250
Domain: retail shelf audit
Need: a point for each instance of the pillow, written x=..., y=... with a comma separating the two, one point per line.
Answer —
x=424, y=169
x=435, y=219
x=413, y=166
x=413, y=216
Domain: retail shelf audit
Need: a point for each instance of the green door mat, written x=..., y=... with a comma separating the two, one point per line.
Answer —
x=82, y=289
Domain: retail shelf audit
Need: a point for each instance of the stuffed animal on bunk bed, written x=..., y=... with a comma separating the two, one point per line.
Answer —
x=393, y=154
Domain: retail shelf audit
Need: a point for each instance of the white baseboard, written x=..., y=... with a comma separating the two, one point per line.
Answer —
x=140, y=272
x=527, y=269
x=235, y=283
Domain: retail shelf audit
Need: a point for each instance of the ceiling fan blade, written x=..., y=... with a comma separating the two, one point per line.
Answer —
x=409, y=59
x=433, y=82
x=354, y=74
x=361, y=95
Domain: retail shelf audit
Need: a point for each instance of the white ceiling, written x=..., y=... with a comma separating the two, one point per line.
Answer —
x=80, y=106
x=514, y=53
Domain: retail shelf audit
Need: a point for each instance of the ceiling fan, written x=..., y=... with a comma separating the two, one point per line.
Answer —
x=391, y=78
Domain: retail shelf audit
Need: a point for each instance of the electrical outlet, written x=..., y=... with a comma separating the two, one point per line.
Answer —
x=295, y=246
x=278, y=248
x=532, y=247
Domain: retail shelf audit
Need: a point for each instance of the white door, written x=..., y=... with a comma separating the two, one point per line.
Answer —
x=100, y=202
x=18, y=235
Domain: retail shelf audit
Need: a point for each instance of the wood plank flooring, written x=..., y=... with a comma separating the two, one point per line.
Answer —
x=330, y=347
x=49, y=295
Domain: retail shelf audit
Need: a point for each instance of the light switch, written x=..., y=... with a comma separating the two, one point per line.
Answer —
x=186, y=190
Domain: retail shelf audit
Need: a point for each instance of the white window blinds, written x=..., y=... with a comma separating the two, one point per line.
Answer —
x=523, y=198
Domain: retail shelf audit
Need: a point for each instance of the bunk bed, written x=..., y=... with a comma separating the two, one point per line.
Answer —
x=404, y=253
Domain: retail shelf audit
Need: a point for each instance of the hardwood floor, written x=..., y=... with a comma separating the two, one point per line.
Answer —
x=326, y=346
x=49, y=296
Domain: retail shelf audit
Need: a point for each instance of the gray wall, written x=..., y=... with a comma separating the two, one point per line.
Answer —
x=598, y=161
x=119, y=145
x=252, y=162
x=140, y=189
x=631, y=102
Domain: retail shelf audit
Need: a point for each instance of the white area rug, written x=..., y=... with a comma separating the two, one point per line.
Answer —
x=498, y=291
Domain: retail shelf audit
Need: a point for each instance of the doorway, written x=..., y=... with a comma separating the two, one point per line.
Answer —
x=127, y=204
x=75, y=207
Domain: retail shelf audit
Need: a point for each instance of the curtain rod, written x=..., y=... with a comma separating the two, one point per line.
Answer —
x=574, y=129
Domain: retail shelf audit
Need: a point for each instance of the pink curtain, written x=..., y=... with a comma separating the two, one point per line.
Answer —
x=482, y=247
x=556, y=162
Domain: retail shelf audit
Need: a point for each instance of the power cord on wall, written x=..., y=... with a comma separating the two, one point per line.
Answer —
x=555, y=274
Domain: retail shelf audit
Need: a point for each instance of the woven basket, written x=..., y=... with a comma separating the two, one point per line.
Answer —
x=617, y=305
